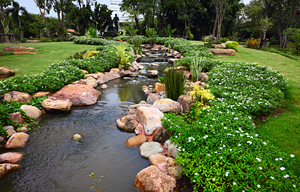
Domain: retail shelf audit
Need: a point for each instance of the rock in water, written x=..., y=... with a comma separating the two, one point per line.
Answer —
x=31, y=111
x=17, y=140
x=135, y=141
x=127, y=123
x=6, y=168
x=78, y=94
x=77, y=138
x=53, y=104
x=150, y=118
x=162, y=135
x=11, y=157
x=152, y=179
x=152, y=97
x=150, y=148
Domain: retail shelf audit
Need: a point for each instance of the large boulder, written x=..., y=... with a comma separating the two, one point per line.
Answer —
x=31, y=111
x=53, y=104
x=167, y=105
x=161, y=135
x=6, y=168
x=17, y=118
x=150, y=118
x=152, y=179
x=217, y=46
x=11, y=157
x=6, y=72
x=17, y=96
x=102, y=79
x=135, y=141
x=124, y=73
x=150, y=148
x=131, y=110
x=127, y=123
x=186, y=102
x=17, y=140
x=152, y=97
x=78, y=94
x=222, y=52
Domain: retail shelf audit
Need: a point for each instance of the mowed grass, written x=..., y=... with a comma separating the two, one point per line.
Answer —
x=46, y=54
x=282, y=130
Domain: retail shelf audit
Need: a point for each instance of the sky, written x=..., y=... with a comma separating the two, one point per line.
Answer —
x=32, y=8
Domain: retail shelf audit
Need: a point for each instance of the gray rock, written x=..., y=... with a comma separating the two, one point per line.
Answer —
x=131, y=110
x=167, y=106
x=152, y=97
x=152, y=73
x=150, y=148
x=172, y=149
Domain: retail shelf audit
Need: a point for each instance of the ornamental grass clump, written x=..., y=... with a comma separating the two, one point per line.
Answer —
x=196, y=68
x=137, y=42
x=174, y=83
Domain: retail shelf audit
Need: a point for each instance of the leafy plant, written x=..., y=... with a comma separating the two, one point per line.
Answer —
x=169, y=31
x=91, y=33
x=151, y=34
x=202, y=97
x=174, y=83
x=122, y=58
x=196, y=67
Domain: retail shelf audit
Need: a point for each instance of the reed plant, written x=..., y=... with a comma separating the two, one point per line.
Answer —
x=137, y=42
x=195, y=68
x=174, y=83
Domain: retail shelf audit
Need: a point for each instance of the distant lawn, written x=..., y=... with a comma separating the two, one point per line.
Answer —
x=46, y=54
x=193, y=42
x=283, y=130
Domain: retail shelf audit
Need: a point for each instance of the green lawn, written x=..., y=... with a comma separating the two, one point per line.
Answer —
x=283, y=130
x=46, y=54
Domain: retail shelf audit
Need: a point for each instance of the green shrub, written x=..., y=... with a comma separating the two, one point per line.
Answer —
x=137, y=41
x=207, y=63
x=232, y=45
x=45, y=39
x=23, y=40
x=174, y=83
x=224, y=39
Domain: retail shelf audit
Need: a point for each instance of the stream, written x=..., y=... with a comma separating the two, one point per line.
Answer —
x=53, y=162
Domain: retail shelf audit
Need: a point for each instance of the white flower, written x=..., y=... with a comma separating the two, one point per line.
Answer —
x=282, y=168
x=292, y=155
x=239, y=145
x=226, y=174
x=196, y=173
x=258, y=159
x=276, y=159
x=286, y=176
x=234, y=183
x=258, y=186
x=230, y=149
x=294, y=186
x=272, y=177
x=213, y=179
x=264, y=143
x=280, y=159
x=250, y=142
x=194, y=181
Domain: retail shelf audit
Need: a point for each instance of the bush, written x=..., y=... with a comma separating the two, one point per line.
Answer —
x=89, y=54
x=24, y=40
x=208, y=64
x=252, y=43
x=224, y=39
x=45, y=39
x=232, y=45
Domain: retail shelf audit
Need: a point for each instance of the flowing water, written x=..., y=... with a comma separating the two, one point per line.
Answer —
x=52, y=162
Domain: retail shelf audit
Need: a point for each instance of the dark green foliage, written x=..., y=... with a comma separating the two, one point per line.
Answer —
x=224, y=39
x=137, y=41
x=77, y=55
x=208, y=64
x=174, y=82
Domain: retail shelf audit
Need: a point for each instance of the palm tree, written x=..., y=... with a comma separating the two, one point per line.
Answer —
x=15, y=14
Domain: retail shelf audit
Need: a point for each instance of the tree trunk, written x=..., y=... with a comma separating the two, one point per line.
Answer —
x=2, y=15
x=137, y=23
x=43, y=15
x=214, y=29
x=21, y=34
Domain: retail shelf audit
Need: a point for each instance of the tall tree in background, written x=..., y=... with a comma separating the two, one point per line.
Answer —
x=101, y=16
x=15, y=14
x=60, y=7
x=3, y=4
x=219, y=5
x=43, y=5
x=132, y=7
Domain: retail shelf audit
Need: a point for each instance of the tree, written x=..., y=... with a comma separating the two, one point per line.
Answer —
x=101, y=15
x=3, y=4
x=15, y=14
x=43, y=5
x=219, y=5
x=60, y=7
